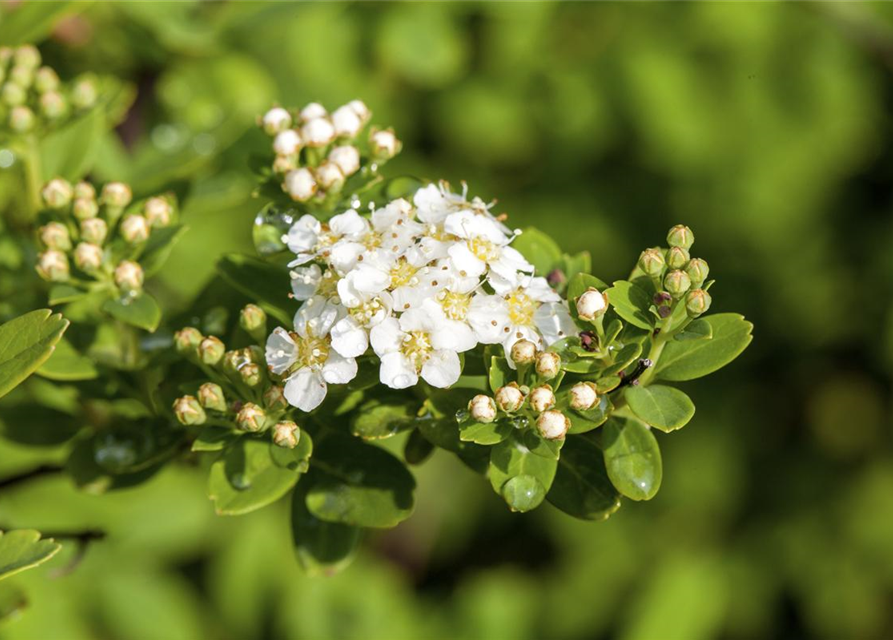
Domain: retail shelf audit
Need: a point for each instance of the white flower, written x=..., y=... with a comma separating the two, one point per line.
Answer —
x=347, y=158
x=300, y=184
x=306, y=355
x=591, y=304
x=275, y=120
x=484, y=246
x=317, y=132
x=346, y=121
x=312, y=111
x=287, y=142
x=359, y=107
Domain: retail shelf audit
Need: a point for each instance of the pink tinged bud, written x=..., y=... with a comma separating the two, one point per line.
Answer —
x=346, y=121
x=384, y=144
x=541, y=398
x=359, y=107
x=329, y=176
x=211, y=397
x=253, y=319
x=13, y=95
x=300, y=184
x=482, y=409
x=46, y=79
x=312, y=111
x=317, y=132
x=117, y=195
x=677, y=283
x=53, y=105
x=54, y=235
x=287, y=143
x=158, y=212
x=509, y=398
x=274, y=398
x=286, y=434
x=347, y=158
x=135, y=229
x=275, y=120
x=652, y=262
x=583, y=396
x=677, y=257
x=591, y=304
x=129, y=276
x=548, y=364
x=27, y=56
x=697, y=271
x=88, y=257
x=251, y=374
x=523, y=352
x=251, y=418
x=52, y=266
x=189, y=411
x=697, y=302
x=84, y=208
x=84, y=190
x=211, y=350
x=84, y=93
x=187, y=339
x=553, y=425
x=680, y=236
x=57, y=193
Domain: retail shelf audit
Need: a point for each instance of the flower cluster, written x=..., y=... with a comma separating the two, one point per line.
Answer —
x=676, y=275
x=102, y=235
x=32, y=96
x=317, y=152
x=420, y=282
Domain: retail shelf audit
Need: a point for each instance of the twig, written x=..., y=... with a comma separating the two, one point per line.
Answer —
x=37, y=472
x=633, y=378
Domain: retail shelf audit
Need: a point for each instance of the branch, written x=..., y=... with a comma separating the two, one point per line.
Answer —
x=37, y=472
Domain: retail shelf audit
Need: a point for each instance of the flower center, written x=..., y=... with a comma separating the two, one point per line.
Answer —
x=371, y=240
x=417, y=348
x=328, y=284
x=521, y=308
x=326, y=238
x=311, y=352
x=366, y=312
x=483, y=249
x=402, y=274
x=455, y=305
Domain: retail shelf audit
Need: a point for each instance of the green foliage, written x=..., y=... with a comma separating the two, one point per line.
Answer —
x=686, y=360
x=26, y=343
x=22, y=549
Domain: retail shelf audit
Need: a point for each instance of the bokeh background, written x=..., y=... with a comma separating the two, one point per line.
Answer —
x=765, y=127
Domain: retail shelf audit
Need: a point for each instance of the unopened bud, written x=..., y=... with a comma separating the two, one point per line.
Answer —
x=300, y=184
x=697, y=302
x=697, y=271
x=287, y=142
x=84, y=189
x=312, y=111
x=187, y=339
x=13, y=95
x=677, y=257
x=231, y=362
x=482, y=408
x=346, y=121
x=46, y=79
x=54, y=235
x=158, y=212
x=589, y=341
x=591, y=304
x=329, y=176
x=129, y=276
x=541, y=398
x=253, y=320
x=135, y=229
x=21, y=119
x=553, y=425
x=652, y=262
x=117, y=195
x=56, y=193
x=286, y=434
x=85, y=208
x=583, y=396
x=251, y=418
x=284, y=164
x=509, y=398
x=359, y=107
x=94, y=230
x=211, y=396
x=677, y=283
x=274, y=398
x=548, y=364
x=251, y=374
x=211, y=350
x=22, y=76
x=347, y=158
x=384, y=144
x=53, y=105
x=84, y=93
x=275, y=120
x=52, y=266
x=88, y=257
x=189, y=411
x=317, y=132
x=523, y=352
x=27, y=56
x=680, y=236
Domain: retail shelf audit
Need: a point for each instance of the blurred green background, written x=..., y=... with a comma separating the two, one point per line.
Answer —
x=765, y=127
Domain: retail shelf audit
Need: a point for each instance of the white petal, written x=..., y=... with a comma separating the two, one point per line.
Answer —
x=305, y=389
x=349, y=224
x=466, y=224
x=369, y=279
x=396, y=371
x=417, y=320
x=303, y=234
x=538, y=288
x=338, y=369
x=432, y=208
x=454, y=336
x=281, y=351
x=442, y=369
x=488, y=316
x=343, y=255
x=386, y=337
x=555, y=322
x=349, y=338
x=305, y=281
x=465, y=262
x=316, y=317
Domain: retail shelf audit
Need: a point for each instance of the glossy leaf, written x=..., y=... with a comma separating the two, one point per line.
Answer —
x=141, y=312
x=22, y=549
x=695, y=330
x=692, y=359
x=577, y=263
x=665, y=408
x=499, y=372
x=67, y=363
x=322, y=548
x=64, y=293
x=521, y=477
x=159, y=246
x=539, y=249
x=632, y=457
x=581, y=487
x=623, y=357
x=214, y=439
x=418, y=448
x=382, y=418
x=259, y=280
x=631, y=303
x=70, y=151
x=583, y=421
x=26, y=343
x=485, y=434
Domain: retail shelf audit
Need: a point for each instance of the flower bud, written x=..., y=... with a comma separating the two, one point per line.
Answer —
x=697, y=271
x=46, y=79
x=359, y=107
x=253, y=320
x=88, y=257
x=84, y=93
x=21, y=76
x=26, y=56
x=13, y=95
x=116, y=194
x=274, y=398
x=541, y=398
x=329, y=176
x=52, y=266
x=680, y=236
x=56, y=193
x=317, y=132
x=251, y=418
x=677, y=257
x=129, y=276
x=251, y=374
x=346, y=121
x=347, y=158
x=276, y=120
x=553, y=425
x=85, y=208
x=135, y=229
x=509, y=398
x=523, y=352
x=300, y=184
x=284, y=164
x=482, y=408
x=211, y=396
x=187, y=339
x=287, y=142
x=54, y=235
x=231, y=362
x=286, y=434
x=189, y=411
x=583, y=396
x=53, y=105
x=211, y=350
x=384, y=144
x=313, y=111
x=697, y=302
x=652, y=262
x=84, y=189
x=158, y=212
x=21, y=119
x=548, y=364
x=94, y=230
x=677, y=283
x=591, y=304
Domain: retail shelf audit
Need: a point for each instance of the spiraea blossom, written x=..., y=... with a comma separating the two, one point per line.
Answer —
x=414, y=284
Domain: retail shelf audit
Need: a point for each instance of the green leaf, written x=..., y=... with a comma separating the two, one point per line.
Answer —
x=579, y=285
x=632, y=457
x=63, y=293
x=418, y=448
x=12, y=603
x=631, y=303
x=26, y=343
x=142, y=312
x=485, y=434
x=695, y=330
x=522, y=478
x=577, y=263
x=251, y=474
x=499, y=372
x=214, y=439
x=359, y=484
x=159, y=246
x=259, y=280
x=581, y=487
x=660, y=406
x=444, y=433
x=377, y=419
x=583, y=421
x=70, y=151
x=32, y=22
x=623, y=358
x=67, y=363
x=539, y=249
x=692, y=359
x=22, y=549
x=322, y=548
